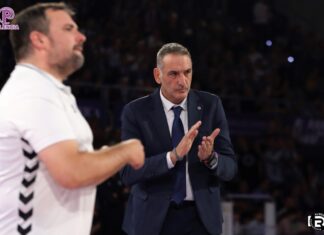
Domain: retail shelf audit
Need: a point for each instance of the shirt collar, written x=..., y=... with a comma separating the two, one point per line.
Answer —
x=59, y=84
x=168, y=104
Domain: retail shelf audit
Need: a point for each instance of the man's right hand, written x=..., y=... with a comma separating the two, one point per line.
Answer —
x=186, y=142
x=134, y=151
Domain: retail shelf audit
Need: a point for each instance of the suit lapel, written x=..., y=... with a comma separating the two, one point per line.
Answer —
x=195, y=110
x=158, y=118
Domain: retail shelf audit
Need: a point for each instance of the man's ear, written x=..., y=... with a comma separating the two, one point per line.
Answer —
x=38, y=40
x=157, y=75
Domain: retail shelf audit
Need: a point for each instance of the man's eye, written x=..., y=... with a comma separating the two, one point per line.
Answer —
x=68, y=28
x=188, y=71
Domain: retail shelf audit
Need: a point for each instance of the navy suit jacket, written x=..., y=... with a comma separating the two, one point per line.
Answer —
x=151, y=186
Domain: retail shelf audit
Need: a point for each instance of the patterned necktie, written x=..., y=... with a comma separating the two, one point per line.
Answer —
x=179, y=190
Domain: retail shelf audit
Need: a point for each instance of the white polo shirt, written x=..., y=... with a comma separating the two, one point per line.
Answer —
x=36, y=111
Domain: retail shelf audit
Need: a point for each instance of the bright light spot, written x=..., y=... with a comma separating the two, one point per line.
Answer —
x=269, y=43
x=291, y=59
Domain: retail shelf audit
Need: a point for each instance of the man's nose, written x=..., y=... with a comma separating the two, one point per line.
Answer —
x=81, y=37
x=182, y=79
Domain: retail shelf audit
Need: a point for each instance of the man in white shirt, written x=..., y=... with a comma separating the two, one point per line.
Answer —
x=48, y=168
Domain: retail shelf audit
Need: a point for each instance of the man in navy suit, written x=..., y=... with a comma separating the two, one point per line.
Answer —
x=177, y=190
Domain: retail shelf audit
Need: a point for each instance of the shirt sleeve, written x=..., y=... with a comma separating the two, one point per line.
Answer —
x=169, y=161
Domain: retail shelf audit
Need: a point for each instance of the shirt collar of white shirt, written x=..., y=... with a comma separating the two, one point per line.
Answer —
x=168, y=104
x=59, y=84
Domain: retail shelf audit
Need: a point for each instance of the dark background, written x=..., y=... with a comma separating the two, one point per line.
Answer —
x=268, y=72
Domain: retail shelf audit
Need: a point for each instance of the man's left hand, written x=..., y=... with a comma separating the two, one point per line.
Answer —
x=206, y=147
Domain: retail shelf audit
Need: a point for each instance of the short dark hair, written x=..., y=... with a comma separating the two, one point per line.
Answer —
x=32, y=18
x=170, y=48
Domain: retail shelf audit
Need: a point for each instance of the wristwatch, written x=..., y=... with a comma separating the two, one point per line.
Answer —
x=212, y=161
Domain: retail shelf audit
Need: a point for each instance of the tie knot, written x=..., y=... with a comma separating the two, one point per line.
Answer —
x=177, y=111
